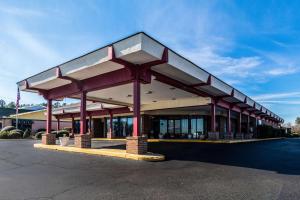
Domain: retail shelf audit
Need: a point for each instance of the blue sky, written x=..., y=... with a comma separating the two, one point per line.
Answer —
x=253, y=45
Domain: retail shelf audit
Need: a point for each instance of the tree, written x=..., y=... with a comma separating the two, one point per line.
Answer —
x=11, y=105
x=297, y=121
x=2, y=103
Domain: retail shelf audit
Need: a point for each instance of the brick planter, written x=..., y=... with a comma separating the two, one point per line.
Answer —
x=136, y=145
x=48, y=139
x=82, y=141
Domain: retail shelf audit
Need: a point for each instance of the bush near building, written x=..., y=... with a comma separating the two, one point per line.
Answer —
x=60, y=133
x=11, y=133
x=264, y=131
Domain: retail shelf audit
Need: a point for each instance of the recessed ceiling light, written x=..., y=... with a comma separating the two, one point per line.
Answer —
x=154, y=101
x=149, y=92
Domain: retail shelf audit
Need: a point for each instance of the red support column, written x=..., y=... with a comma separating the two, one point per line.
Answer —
x=240, y=123
x=83, y=113
x=83, y=140
x=90, y=126
x=49, y=116
x=58, y=124
x=110, y=133
x=229, y=122
x=136, y=108
x=136, y=144
x=213, y=117
x=213, y=135
x=49, y=138
x=90, y=123
x=248, y=124
x=73, y=129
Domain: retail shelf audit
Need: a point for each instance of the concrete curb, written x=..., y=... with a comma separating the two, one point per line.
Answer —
x=104, y=152
x=196, y=141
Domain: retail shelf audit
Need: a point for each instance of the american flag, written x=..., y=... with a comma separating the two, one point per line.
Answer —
x=18, y=101
x=17, y=107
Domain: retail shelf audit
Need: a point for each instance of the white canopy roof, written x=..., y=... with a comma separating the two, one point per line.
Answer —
x=138, y=49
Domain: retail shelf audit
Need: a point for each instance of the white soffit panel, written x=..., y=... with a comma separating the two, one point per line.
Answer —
x=42, y=77
x=175, y=73
x=89, y=65
x=257, y=106
x=50, y=84
x=250, y=102
x=212, y=90
x=220, y=85
x=138, y=49
x=239, y=96
x=187, y=67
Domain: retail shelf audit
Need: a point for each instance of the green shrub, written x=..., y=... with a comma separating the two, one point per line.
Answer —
x=14, y=134
x=4, y=134
x=38, y=135
x=40, y=130
x=61, y=133
x=8, y=128
x=27, y=133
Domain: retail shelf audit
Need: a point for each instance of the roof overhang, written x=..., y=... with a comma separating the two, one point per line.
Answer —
x=106, y=75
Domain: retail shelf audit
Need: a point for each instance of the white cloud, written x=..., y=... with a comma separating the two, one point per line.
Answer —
x=273, y=96
x=30, y=42
x=20, y=11
x=285, y=102
x=207, y=58
x=282, y=71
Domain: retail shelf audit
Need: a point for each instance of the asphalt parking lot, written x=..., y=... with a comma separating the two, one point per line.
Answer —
x=261, y=170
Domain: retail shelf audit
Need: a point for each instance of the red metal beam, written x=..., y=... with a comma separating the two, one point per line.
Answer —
x=73, y=80
x=110, y=79
x=96, y=112
x=172, y=82
x=227, y=105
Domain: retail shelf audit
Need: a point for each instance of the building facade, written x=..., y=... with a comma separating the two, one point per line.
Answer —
x=141, y=87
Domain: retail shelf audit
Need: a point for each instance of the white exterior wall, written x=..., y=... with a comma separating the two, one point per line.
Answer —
x=38, y=124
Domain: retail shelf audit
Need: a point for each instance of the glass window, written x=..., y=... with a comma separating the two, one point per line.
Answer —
x=177, y=126
x=193, y=126
x=116, y=129
x=163, y=126
x=170, y=126
x=185, y=126
x=107, y=124
x=129, y=126
x=123, y=126
x=200, y=125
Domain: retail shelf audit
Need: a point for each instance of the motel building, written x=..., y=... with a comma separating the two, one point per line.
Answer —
x=137, y=88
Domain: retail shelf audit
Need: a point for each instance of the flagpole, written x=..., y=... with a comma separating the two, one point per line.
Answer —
x=17, y=107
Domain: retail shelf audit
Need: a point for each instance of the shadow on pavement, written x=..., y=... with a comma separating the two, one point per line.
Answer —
x=281, y=156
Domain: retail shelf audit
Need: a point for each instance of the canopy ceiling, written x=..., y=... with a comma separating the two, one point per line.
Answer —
x=175, y=79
